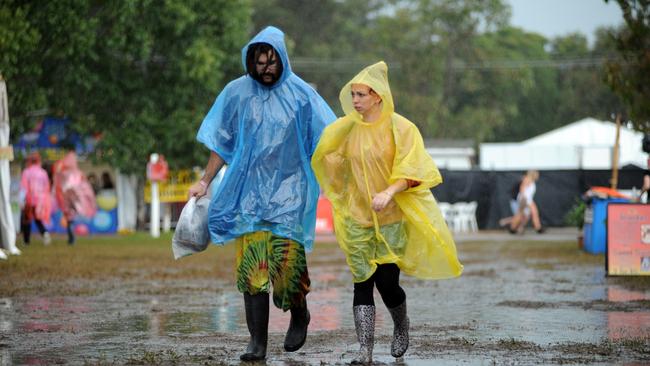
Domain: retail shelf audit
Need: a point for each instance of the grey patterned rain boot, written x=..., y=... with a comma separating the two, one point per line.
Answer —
x=257, y=319
x=401, y=330
x=297, y=333
x=364, y=322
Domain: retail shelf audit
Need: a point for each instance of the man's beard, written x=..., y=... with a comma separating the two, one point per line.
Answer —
x=274, y=79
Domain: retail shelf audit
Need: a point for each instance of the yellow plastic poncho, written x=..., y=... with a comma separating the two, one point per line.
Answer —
x=356, y=160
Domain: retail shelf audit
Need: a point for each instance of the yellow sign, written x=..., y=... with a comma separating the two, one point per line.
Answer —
x=175, y=188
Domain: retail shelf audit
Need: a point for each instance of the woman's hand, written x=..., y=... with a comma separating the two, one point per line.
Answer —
x=381, y=200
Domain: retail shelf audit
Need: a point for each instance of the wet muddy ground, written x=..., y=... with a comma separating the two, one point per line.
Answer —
x=123, y=300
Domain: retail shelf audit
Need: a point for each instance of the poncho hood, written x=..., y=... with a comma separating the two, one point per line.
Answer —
x=275, y=38
x=376, y=77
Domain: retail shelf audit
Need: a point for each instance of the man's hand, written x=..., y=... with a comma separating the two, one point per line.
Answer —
x=381, y=200
x=198, y=189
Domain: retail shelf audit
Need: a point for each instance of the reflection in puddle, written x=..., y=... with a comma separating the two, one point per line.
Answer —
x=133, y=323
x=48, y=315
x=5, y=304
x=56, y=304
x=5, y=357
x=41, y=327
x=505, y=300
x=615, y=293
x=621, y=325
x=6, y=310
x=229, y=316
x=325, y=313
x=627, y=325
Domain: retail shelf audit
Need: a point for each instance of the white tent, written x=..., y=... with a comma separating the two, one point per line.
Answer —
x=584, y=144
x=7, y=228
x=451, y=154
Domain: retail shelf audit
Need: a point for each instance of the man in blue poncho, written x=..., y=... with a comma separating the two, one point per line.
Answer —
x=265, y=126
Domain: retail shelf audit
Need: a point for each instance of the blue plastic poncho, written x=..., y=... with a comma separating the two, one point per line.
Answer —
x=266, y=135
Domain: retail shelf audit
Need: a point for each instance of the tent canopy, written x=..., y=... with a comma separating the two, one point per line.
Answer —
x=584, y=144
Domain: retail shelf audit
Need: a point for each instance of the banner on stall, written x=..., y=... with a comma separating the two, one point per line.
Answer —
x=175, y=188
x=628, y=239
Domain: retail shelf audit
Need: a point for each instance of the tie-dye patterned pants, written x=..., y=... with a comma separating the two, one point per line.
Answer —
x=264, y=259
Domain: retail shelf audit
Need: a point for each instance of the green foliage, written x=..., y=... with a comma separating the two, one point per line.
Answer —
x=576, y=216
x=457, y=69
x=570, y=90
x=629, y=75
x=143, y=73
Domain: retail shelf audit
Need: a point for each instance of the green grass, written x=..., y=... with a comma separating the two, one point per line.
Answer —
x=61, y=269
x=107, y=257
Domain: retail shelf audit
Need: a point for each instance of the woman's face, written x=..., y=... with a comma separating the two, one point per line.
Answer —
x=364, y=98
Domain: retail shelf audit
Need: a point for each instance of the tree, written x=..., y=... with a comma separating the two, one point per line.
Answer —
x=430, y=39
x=35, y=54
x=582, y=90
x=500, y=86
x=143, y=73
x=629, y=75
x=327, y=40
x=457, y=69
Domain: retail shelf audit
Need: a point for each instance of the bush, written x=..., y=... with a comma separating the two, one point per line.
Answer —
x=576, y=216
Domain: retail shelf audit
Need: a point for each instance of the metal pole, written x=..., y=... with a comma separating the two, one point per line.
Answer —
x=154, y=223
x=614, y=180
x=154, y=227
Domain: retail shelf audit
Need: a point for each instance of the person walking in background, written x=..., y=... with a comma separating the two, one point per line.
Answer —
x=523, y=206
x=73, y=192
x=35, y=195
x=94, y=183
x=107, y=181
x=265, y=126
x=514, y=205
x=373, y=167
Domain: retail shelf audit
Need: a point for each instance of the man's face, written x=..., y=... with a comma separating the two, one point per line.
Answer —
x=266, y=67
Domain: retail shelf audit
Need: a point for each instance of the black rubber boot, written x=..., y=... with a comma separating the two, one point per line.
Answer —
x=257, y=319
x=297, y=333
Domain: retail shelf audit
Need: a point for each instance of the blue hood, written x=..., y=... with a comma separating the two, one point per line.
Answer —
x=275, y=38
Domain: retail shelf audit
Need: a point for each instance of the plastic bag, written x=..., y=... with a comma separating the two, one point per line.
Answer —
x=191, y=234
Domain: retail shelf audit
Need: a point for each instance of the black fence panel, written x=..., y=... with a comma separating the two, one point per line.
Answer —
x=557, y=191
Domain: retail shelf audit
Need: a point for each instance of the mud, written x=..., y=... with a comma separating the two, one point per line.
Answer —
x=123, y=300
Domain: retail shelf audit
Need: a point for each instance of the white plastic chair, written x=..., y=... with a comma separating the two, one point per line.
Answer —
x=447, y=212
x=471, y=216
x=460, y=222
x=465, y=219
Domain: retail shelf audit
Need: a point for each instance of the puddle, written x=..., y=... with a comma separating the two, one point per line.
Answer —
x=537, y=303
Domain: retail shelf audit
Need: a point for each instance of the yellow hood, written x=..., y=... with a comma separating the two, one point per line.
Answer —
x=376, y=77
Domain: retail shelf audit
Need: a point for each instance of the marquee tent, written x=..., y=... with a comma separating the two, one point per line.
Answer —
x=585, y=144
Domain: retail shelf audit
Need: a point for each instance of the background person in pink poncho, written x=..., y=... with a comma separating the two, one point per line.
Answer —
x=35, y=188
x=73, y=193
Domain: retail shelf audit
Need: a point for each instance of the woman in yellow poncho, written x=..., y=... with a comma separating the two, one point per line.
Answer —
x=373, y=167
